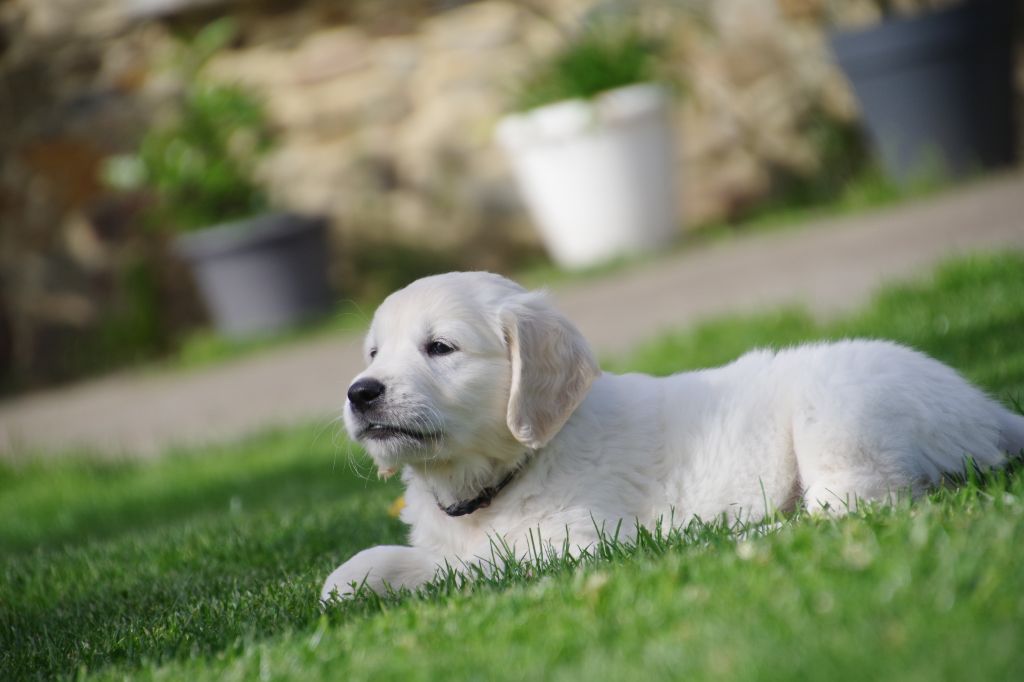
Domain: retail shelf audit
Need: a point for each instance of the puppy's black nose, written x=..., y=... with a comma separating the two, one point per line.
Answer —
x=363, y=392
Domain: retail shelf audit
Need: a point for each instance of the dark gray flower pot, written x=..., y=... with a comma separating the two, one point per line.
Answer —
x=262, y=274
x=936, y=88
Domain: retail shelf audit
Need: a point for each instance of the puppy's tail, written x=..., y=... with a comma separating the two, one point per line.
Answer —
x=1011, y=434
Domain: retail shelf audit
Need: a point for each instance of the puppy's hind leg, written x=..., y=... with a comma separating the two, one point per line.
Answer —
x=886, y=421
x=843, y=462
x=841, y=465
x=838, y=494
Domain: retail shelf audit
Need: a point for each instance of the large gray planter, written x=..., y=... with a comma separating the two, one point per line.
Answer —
x=936, y=88
x=262, y=274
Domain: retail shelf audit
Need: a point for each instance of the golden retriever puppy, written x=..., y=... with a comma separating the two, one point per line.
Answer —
x=492, y=405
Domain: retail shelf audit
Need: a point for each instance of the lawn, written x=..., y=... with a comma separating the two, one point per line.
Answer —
x=206, y=564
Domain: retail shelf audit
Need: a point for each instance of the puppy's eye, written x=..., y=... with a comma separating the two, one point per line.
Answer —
x=435, y=348
x=373, y=353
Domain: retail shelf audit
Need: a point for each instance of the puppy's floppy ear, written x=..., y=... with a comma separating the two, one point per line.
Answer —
x=552, y=368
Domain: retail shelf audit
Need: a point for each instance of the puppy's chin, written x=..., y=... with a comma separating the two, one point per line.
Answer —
x=392, y=446
x=392, y=451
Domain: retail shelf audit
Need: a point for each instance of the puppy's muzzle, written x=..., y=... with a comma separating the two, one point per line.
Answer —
x=364, y=394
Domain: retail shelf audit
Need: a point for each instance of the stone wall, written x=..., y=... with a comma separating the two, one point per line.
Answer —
x=395, y=132
x=385, y=110
x=391, y=135
x=71, y=74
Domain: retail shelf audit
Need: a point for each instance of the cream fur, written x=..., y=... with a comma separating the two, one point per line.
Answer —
x=821, y=424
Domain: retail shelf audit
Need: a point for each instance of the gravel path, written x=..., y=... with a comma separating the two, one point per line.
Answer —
x=828, y=267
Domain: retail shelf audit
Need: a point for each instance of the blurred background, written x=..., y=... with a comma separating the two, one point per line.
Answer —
x=127, y=127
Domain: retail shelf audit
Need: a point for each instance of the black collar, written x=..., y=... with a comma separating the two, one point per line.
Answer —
x=484, y=499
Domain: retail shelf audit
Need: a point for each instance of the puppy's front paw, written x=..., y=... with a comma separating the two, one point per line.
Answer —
x=377, y=569
x=342, y=583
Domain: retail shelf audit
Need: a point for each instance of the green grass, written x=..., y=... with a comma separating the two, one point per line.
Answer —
x=206, y=564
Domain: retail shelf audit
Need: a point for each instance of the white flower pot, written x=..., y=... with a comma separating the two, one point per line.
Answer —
x=598, y=176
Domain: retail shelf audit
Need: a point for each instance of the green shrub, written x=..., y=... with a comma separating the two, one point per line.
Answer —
x=200, y=165
x=599, y=59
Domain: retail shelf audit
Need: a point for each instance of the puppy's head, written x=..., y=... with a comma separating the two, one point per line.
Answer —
x=465, y=363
